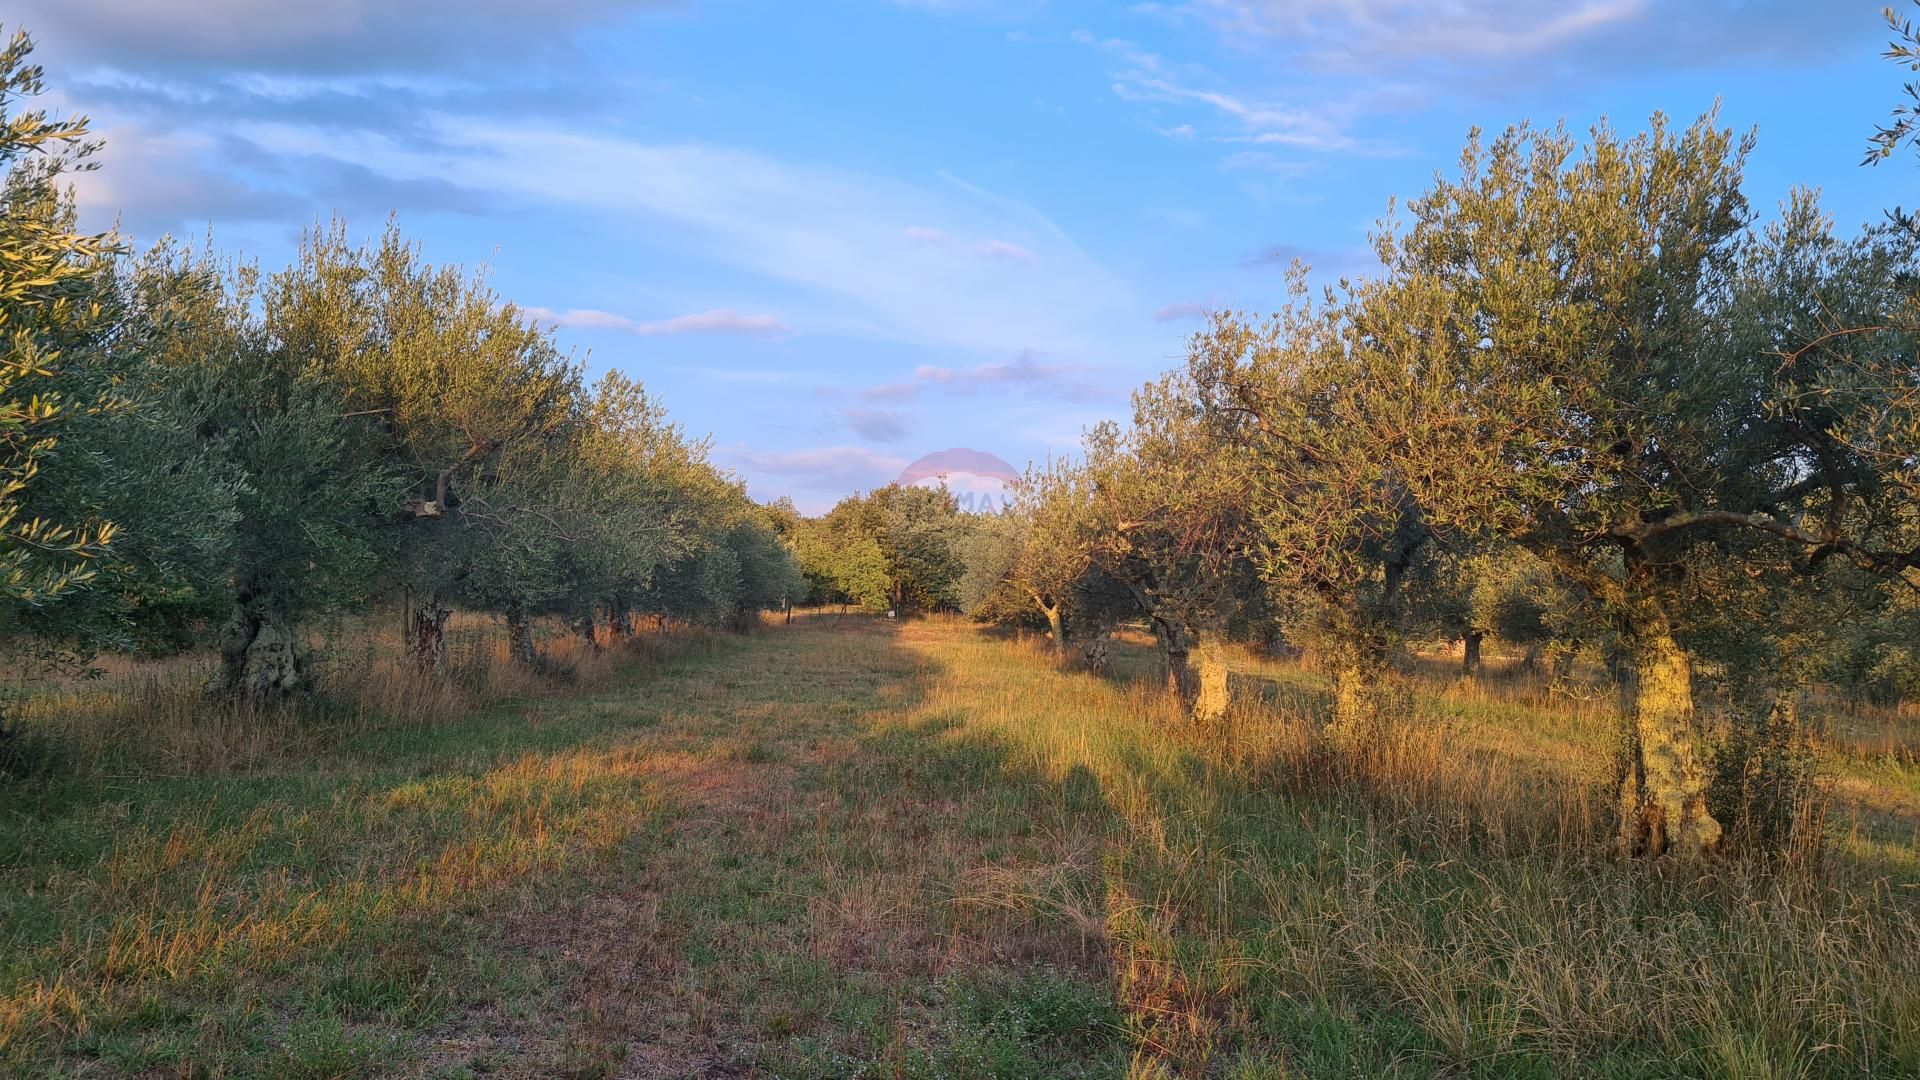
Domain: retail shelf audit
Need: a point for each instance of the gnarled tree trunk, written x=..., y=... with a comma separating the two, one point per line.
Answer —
x=1355, y=716
x=520, y=638
x=585, y=628
x=261, y=655
x=1470, y=653
x=426, y=630
x=1176, y=643
x=1056, y=626
x=1211, y=696
x=1356, y=661
x=1663, y=784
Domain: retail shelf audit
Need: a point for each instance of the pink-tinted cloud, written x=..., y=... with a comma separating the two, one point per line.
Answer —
x=1000, y=249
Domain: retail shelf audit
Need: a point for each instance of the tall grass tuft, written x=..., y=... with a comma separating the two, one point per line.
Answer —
x=156, y=717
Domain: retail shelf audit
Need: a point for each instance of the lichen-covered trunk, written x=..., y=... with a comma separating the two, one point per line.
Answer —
x=261, y=655
x=520, y=638
x=1210, y=694
x=1663, y=783
x=1470, y=653
x=1355, y=715
x=1356, y=661
x=426, y=629
x=1056, y=626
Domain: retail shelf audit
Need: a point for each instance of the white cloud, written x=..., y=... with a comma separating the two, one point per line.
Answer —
x=1023, y=372
x=1148, y=77
x=1375, y=33
x=1320, y=127
x=715, y=322
x=920, y=235
x=156, y=184
x=1000, y=249
x=1025, y=375
x=834, y=233
x=1326, y=65
x=828, y=464
x=704, y=322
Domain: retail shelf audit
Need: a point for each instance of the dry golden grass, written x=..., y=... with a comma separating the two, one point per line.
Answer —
x=155, y=716
x=850, y=847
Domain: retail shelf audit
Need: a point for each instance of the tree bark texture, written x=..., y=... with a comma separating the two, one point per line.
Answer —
x=261, y=655
x=1663, y=784
x=520, y=638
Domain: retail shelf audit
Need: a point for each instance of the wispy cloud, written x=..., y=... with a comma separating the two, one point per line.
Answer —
x=879, y=425
x=834, y=233
x=1146, y=76
x=1000, y=249
x=1180, y=311
x=1377, y=33
x=893, y=391
x=921, y=235
x=842, y=465
x=703, y=322
x=1026, y=374
x=1250, y=120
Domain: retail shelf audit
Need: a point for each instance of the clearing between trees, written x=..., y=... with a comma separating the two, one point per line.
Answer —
x=854, y=847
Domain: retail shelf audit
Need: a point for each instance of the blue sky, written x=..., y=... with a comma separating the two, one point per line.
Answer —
x=840, y=234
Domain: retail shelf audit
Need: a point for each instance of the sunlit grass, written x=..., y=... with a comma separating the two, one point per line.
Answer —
x=851, y=847
x=1450, y=902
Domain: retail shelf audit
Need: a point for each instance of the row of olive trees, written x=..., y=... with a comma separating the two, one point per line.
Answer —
x=1589, y=399
x=193, y=450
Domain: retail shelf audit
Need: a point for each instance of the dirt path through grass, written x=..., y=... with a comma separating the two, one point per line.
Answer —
x=803, y=911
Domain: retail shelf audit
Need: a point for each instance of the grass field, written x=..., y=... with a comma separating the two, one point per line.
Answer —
x=850, y=847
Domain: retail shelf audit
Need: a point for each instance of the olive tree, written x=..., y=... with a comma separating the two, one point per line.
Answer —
x=114, y=519
x=308, y=487
x=1167, y=517
x=457, y=379
x=48, y=278
x=1310, y=397
x=1631, y=380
